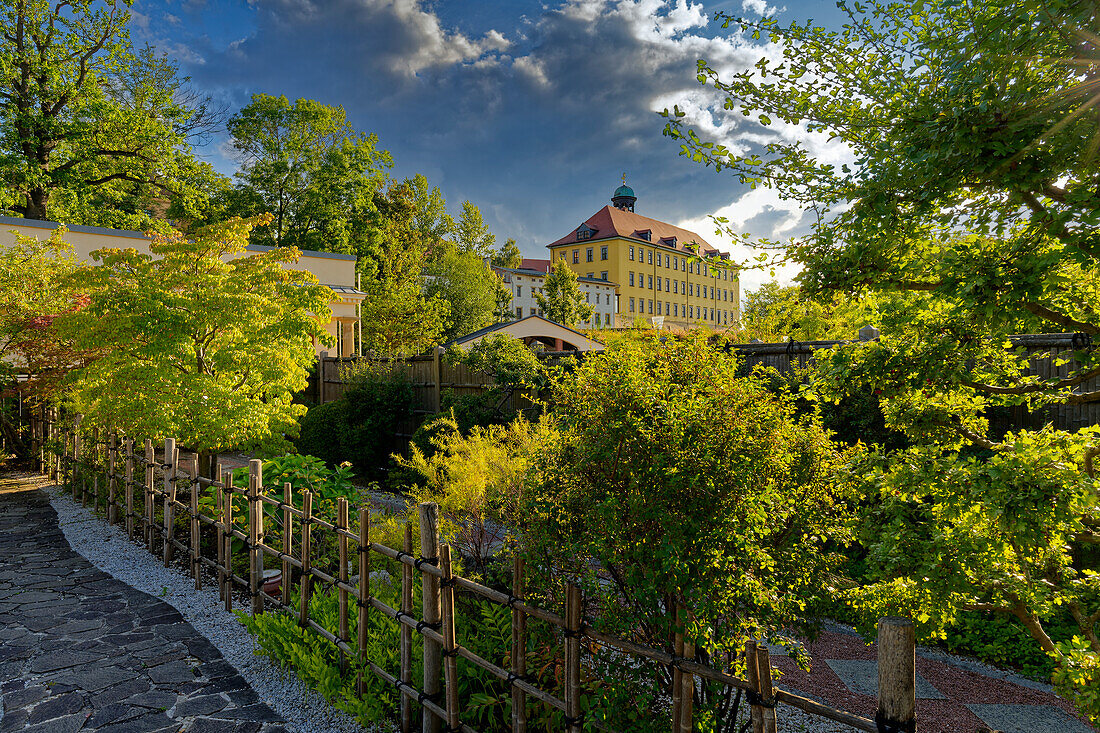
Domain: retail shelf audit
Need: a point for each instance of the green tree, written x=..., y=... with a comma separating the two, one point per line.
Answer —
x=508, y=255
x=464, y=280
x=973, y=187
x=561, y=300
x=82, y=115
x=197, y=341
x=398, y=316
x=689, y=486
x=471, y=234
x=774, y=313
x=303, y=163
x=432, y=221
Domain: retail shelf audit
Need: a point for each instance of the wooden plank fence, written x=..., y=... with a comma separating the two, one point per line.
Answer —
x=157, y=495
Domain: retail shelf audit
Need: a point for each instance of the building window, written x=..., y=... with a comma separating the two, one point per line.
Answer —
x=683, y=264
x=658, y=285
x=676, y=309
x=607, y=319
x=588, y=255
x=666, y=284
x=519, y=313
x=631, y=305
x=658, y=307
x=651, y=282
x=561, y=255
x=603, y=275
x=651, y=307
x=631, y=254
x=584, y=232
x=587, y=298
x=666, y=261
x=651, y=257
x=632, y=279
x=603, y=252
x=576, y=257
x=676, y=287
x=590, y=276
x=519, y=291
x=675, y=264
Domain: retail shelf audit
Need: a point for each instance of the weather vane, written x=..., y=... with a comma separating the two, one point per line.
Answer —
x=624, y=179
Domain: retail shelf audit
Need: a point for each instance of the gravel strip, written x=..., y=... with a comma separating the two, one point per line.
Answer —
x=108, y=548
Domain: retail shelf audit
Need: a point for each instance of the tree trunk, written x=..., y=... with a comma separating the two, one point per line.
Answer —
x=37, y=200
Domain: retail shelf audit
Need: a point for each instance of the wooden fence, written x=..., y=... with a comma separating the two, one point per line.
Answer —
x=158, y=498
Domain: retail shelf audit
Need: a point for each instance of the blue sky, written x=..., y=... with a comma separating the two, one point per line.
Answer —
x=530, y=110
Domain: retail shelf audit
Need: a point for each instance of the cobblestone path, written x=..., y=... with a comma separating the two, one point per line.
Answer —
x=81, y=651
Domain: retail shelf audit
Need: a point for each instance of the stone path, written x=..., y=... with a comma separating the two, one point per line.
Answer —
x=953, y=695
x=81, y=651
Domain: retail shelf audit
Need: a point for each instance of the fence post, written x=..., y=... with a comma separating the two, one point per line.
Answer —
x=193, y=472
x=519, y=649
x=128, y=480
x=364, y=592
x=573, y=659
x=171, y=459
x=450, y=663
x=255, y=535
x=677, y=651
x=76, y=452
x=288, y=543
x=429, y=552
x=227, y=513
x=321, y=377
x=219, y=532
x=342, y=572
x=897, y=675
x=307, y=574
x=407, y=715
x=756, y=711
x=764, y=680
x=683, y=722
x=437, y=378
x=150, y=515
x=112, y=486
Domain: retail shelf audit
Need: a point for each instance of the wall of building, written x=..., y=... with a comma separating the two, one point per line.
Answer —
x=524, y=283
x=660, y=282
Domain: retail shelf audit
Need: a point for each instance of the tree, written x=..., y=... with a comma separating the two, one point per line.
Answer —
x=471, y=234
x=561, y=299
x=397, y=314
x=197, y=341
x=431, y=220
x=677, y=483
x=773, y=313
x=304, y=164
x=463, y=280
x=973, y=188
x=81, y=114
x=508, y=255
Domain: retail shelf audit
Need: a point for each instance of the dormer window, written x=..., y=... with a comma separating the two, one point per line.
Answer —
x=668, y=241
x=645, y=234
x=584, y=232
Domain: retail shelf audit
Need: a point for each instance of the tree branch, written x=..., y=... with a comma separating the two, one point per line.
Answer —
x=1061, y=319
x=1032, y=388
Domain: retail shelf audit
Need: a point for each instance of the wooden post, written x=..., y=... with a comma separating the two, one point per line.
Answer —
x=450, y=658
x=407, y=713
x=437, y=378
x=429, y=551
x=519, y=649
x=288, y=542
x=171, y=458
x=687, y=691
x=150, y=472
x=128, y=481
x=255, y=535
x=677, y=651
x=897, y=675
x=342, y=571
x=227, y=514
x=573, y=659
x=321, y=377
x=307, y=575
x=764, y=678
x=219, y=532
x=112, y=493
x=193, y=471
x=364, y=591
x=756, y=711
x=76, y=455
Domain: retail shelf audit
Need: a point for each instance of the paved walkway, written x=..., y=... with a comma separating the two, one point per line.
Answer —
x=953, y=695
x=81, y=651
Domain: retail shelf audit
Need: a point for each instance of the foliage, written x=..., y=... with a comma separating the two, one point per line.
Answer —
x=397, y=316
x=477, y=479
x=360, y=426
x=85, y=121
x=972, y=188
x=773, y=313
x=470, y=233
x=303, y=163
x=197, y=341
x=560, y=299
x=462, y=279
x=688, y=484
x=508, y=255
x=506, y=359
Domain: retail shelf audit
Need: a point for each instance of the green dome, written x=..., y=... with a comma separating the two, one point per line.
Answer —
x=624, y=191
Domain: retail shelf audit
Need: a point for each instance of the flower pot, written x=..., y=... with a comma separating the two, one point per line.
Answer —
x=273, y=581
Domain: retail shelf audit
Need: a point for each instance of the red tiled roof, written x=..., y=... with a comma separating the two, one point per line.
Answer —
x=535, y=264
x=612, y=222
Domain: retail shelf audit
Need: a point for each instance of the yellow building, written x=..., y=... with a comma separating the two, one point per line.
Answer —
x=667, y=275
x=337, y=271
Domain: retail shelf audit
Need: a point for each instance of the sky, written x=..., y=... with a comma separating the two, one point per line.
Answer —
x=533, y=111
